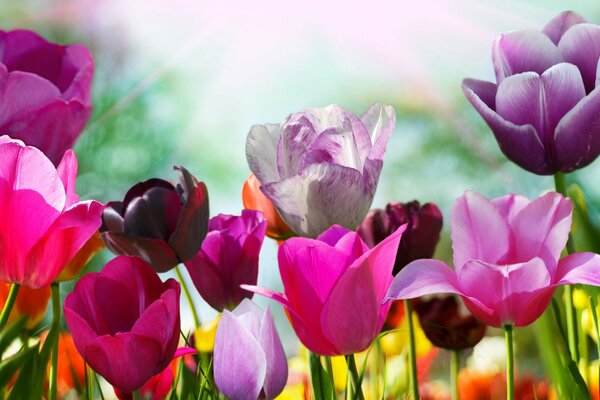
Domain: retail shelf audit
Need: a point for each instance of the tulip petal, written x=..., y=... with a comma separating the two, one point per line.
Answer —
x=261, y=152
x=472, y=218
x=153, y=251
x=557, y=27
x=581, y=268
x=292, y=148
x=379, y=120
x=422, y=277
x=116, y=304
x=239, y=362
x=67, y=170
x=577, y=137
x=154, y=214
x=276, y=371
x=510, y=206
x=580, y=45
x=521, y=51
x=138, y=354
x=309, y=203
x=520, y=144
x=77, y=74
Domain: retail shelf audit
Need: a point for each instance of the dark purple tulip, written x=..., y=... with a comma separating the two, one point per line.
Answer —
x=125, y=321
x=228, y=258
x=422, y=232
x=445, y=326
x=45, y=91
x=161, y=223
x=545, y=107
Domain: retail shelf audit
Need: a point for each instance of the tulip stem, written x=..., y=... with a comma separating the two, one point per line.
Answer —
x=358, y=393
x=52, y=386
x=510, y=366
x=8, y=306
x=188, y=296
x=137, y=394
x=412, y=350
x=561, y=187
x=454, y=368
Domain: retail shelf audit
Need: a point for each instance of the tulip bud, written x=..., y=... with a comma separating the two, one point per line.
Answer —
x=420, y=238
x=446, y=326
x=161, y=223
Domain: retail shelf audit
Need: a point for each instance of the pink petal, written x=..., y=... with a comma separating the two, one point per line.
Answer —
x=510, y=206
x=581, y=268
x=67, y=170
x=423, y=277
x=472, y=218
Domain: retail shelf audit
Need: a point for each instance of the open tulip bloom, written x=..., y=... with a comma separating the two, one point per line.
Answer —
x=545, y=107
x=506, y=258
x=304, y=163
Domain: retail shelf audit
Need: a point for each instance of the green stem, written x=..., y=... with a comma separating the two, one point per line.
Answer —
x=510, y=366
x=329, y=367
x=412, y=351
x=137, y=395
x=188, y=296
x=454, y=368
x=561, y=187
x=8, y=306
x=355, y=377
x=52, y=386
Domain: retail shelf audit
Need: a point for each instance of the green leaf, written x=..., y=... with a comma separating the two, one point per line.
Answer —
x=24, y=362
x=584, y=230
x=322, y=386
x=11, y=333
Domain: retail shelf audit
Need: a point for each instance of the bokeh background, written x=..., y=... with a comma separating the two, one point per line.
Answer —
x=180, y=82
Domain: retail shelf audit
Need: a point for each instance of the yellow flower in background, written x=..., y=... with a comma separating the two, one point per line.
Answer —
x=394, y=342
x=340, y=372
x=293, y=392
x=587, y=318
x=204, y=336
x=581, y=300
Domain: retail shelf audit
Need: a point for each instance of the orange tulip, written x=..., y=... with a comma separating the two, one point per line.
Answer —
x=474, y=385
x=83, y=256
x=71, y=367
x=254, y=199
x=30, y=302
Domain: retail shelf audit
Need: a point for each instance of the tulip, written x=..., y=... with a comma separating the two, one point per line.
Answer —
x=31, y=303
x=228, y=258
x=545, y=107
x=71, y=367
x=307, y=161
x=424, y=224
x=249, y=357
x=42, y=222
x=334, y=286
x=254, y=199
x=125, y=321
x=82, y=258
x=506, y=257
x=161, y=223
x=46, y=91
x=445, y=326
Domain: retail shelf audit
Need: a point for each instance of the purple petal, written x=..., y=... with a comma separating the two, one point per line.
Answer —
x=422, y=277
x=520, y=144
x=154, y=214
x=261, y=152
x=581, y=268
x=277, y=369
x=154, y=251
x=295, y=139
x=580, y=45
x=333, y=235
x=239, y=362
x=523, y=51
x=510, y=206
x=557, y=27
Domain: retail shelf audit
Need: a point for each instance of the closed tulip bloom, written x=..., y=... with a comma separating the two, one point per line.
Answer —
x=125, y=321
x=159, y=222
x=423, y=227
x=249, y=360
x=254, y=199
x=506, y=258
x=334, y=288
x=46, y=91
x=305, y=163
x=228, y=258
x=544, y=108
x=42, y=222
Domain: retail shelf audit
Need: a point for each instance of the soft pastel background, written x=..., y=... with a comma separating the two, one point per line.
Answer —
x=182, y=81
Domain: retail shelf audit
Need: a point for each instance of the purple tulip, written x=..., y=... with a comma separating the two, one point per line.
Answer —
x=125, y=322
x=249, y=360
x=545, y=107
x=46, y=91
x=161, y=223
x=228, y=258
x=424, y=224
x=320, y=167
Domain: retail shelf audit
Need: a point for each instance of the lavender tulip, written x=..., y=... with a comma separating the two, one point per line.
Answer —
x=249, y=360
x=320, y=167
x=545, y=107
x=228, y=258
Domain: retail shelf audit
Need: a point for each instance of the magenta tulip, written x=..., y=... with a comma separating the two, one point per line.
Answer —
x=506, y=258
x=334, y=286
x=249, y=360
x=125, y=321
x=228, y=258
x=42, y=222
x=46, y=91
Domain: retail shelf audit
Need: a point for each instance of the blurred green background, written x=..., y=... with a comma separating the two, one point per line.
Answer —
x=180, y=82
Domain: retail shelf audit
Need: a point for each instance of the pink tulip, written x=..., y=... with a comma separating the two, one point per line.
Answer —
x=42, y=222
x=506, y=257
x=334, y=288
